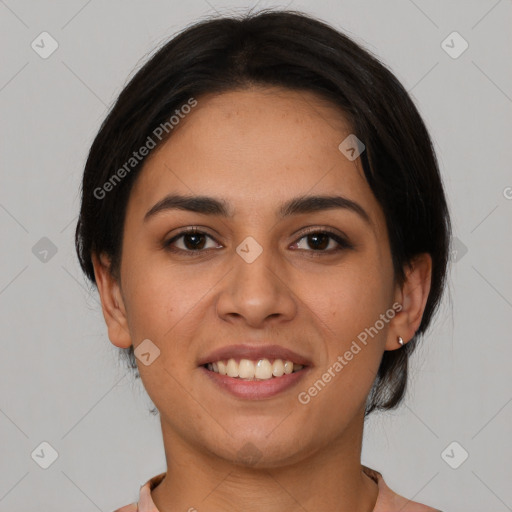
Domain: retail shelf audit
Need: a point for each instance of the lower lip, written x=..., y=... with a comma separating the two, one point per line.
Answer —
x=255, y=389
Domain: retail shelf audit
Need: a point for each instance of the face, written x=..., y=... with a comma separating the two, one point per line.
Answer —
x=261, y=277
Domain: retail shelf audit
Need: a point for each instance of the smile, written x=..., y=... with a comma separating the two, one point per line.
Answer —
x=248, y=369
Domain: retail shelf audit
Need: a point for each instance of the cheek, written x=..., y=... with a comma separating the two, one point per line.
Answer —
x=348, y=298
x=348, y=303
x=163, y=305
x=352, y=350
x=161, y=297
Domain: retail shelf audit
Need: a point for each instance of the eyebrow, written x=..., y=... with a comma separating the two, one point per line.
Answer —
x=299, y=205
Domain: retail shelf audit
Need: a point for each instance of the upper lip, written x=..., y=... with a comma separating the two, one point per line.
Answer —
x=254, y=352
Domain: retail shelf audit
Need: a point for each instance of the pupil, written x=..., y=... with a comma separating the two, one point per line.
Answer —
x=194, y=245
x=319, y=235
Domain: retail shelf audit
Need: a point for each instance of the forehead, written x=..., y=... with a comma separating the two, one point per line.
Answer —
x=255, y=148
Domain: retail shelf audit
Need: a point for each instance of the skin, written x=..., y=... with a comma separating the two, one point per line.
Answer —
x=257, y=148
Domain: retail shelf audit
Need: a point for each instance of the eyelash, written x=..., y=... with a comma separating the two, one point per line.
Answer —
x=343, y=243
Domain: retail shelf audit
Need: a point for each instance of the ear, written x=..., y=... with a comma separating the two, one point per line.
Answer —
x=112, y=303
x=412, y=296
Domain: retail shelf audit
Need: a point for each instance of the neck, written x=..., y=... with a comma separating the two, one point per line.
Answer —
x=328, y=478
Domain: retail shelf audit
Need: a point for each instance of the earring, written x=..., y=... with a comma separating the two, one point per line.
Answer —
x=400, y=341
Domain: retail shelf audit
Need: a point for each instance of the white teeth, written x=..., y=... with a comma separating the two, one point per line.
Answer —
x=261, y=369
x=222, y=367
x=232, y=368
x=278, y=368
x=246, y=369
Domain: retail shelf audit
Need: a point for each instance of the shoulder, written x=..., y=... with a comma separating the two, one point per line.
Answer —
x=390, y=501
x=128, y=508
x=145, y=502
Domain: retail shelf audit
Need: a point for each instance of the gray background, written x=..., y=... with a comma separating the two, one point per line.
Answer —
x=60, y=377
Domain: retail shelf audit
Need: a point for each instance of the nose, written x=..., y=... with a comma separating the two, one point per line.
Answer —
x=258, y=290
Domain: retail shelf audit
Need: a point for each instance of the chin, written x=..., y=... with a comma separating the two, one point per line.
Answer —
x=263, y=448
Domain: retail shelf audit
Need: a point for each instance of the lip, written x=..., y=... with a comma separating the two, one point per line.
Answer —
x=254, y=352
x=255, y=389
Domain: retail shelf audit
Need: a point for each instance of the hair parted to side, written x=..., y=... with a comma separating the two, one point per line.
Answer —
x=293, y=50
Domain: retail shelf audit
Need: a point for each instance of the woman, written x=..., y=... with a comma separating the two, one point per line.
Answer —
x=264, y=219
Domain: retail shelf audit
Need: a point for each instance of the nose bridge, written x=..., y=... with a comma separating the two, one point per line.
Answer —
x=253, y=262
x=255, y=290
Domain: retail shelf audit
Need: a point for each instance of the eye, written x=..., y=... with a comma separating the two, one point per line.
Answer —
x=193, y=241
x=320, y=240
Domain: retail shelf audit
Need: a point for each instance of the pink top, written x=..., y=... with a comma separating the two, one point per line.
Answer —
x=387, y=500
